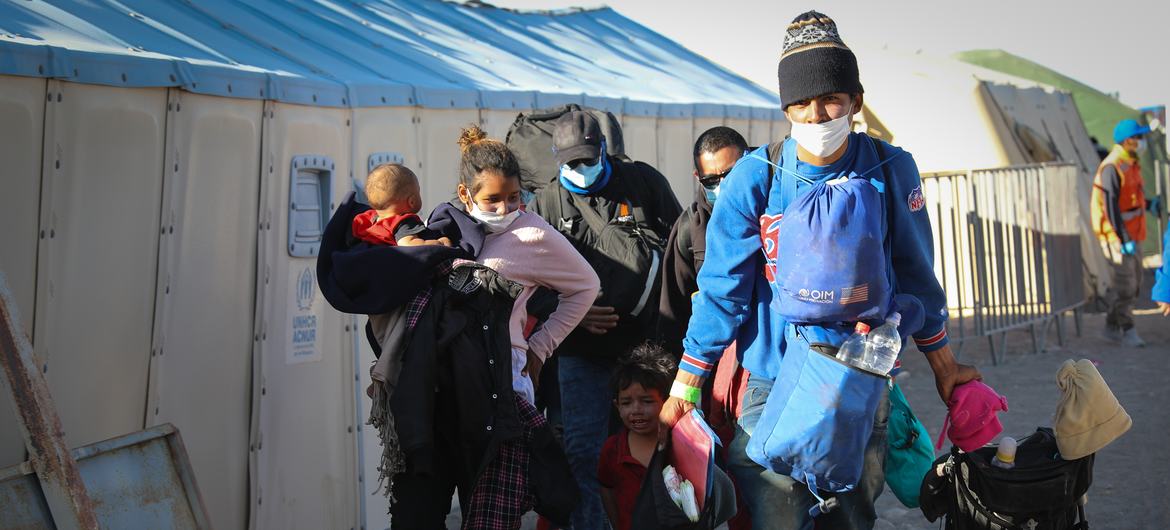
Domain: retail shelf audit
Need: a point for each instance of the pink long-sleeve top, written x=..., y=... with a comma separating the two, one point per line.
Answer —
x=532, y=253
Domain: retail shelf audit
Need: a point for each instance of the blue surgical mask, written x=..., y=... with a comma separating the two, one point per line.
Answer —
x=712, y=193
x=583, y=176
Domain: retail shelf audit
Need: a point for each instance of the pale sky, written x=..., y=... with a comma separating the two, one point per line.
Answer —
x=1114, y=46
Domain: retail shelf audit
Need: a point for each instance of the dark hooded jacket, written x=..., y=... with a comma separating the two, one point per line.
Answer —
x=681, y=261
x=457, y=363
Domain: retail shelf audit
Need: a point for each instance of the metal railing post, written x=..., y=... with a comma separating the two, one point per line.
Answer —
x=64, y=491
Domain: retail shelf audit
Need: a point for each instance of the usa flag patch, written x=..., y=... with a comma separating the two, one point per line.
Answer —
x=916, y=201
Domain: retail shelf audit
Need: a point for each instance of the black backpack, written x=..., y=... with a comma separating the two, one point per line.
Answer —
x=530, y=139
x=1042, y=492
x=624, y=251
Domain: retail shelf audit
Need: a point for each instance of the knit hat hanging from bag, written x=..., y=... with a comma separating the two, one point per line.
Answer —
x=1088, y=416
x=815, y=60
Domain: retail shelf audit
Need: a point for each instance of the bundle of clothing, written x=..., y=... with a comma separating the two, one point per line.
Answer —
x=442, y=381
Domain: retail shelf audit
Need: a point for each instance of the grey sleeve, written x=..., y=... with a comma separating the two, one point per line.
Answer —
x=1111, y=189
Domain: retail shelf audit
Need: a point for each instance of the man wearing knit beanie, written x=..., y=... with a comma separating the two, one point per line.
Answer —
x=820, y=91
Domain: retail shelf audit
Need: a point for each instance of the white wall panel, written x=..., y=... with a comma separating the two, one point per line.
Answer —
x=201, y=370
x=760, y=132
x=96, y=269
x=676, y=141
x=743, y=127
x=22, y=113
x=438, y=133
x=496, y=122
x=641, y=136
x=305, y=459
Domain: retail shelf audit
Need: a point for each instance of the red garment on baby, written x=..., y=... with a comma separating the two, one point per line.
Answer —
x=380, y=232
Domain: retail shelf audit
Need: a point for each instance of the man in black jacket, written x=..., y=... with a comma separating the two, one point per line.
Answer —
x=618, y=215
x=716, y=152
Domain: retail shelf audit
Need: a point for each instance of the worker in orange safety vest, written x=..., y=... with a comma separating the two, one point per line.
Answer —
x=1118, y=214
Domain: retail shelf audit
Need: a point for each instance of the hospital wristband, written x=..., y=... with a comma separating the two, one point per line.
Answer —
x=685, y=392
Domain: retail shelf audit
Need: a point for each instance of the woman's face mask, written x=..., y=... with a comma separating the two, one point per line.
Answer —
x=496, y=194
x=822, y=139
x=493, y=221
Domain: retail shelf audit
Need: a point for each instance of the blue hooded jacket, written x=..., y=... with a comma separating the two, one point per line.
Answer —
x=734, y=293
x=1162, y=276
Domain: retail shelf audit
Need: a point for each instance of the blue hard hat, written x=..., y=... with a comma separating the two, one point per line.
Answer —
x=1128, y=129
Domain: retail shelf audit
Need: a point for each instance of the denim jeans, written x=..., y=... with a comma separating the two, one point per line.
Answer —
x=779, y=502
x=585, y=410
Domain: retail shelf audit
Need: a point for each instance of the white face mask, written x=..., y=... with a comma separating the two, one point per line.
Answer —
x=494, y=222
x=822, y=139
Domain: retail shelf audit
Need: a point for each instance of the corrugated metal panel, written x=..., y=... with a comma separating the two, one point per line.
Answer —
x=384, y=52
x=641, y=136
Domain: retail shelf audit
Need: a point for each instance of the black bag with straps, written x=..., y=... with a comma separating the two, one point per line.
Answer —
x=1042, y=492
x=530, y=139
x=624, y=252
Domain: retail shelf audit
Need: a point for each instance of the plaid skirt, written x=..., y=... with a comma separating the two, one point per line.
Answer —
x=501, y=495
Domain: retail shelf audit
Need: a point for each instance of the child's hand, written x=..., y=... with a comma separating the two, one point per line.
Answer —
x=446, y=241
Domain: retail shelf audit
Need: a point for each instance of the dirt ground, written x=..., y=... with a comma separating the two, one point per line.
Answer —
x=1131, y=482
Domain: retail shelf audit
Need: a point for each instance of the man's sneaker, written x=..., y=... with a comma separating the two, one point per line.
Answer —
x=1131, y=339
x=1112, y=333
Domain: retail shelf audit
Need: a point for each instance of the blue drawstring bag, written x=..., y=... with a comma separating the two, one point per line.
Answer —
x=836, y=270
x=818, y=418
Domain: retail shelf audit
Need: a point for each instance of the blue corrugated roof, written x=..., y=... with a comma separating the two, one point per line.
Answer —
x=373, y=53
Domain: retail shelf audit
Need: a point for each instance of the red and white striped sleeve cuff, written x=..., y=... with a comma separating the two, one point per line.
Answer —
x=932, y=342
x=694, y=365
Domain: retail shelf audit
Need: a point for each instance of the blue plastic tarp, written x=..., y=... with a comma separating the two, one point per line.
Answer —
x=430, y=53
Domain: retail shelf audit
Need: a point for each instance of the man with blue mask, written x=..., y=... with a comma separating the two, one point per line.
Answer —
x=716, y=151
x=618, y=215
x=744, y=267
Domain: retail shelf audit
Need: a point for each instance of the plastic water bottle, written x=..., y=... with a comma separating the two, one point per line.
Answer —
x=853, y=349
x=884, y=346
x=1005, y=456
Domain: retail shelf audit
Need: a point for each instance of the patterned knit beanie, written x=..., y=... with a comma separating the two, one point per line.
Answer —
x=815, y=61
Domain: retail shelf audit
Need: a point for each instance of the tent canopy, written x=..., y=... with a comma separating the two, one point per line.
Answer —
x=429, y=53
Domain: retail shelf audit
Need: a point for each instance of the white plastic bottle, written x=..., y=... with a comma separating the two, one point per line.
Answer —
x=1005, y=456
x=884, y=346
x=853, y=349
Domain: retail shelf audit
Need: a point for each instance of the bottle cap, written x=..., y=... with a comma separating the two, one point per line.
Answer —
x=862, y=328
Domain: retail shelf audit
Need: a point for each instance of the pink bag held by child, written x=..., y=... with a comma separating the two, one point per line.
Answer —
x=972, y=416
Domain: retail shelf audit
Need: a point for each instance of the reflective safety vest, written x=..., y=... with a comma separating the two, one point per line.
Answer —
x=1131, y=199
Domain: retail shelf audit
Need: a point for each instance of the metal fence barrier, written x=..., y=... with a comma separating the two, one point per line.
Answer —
x=1007, y=251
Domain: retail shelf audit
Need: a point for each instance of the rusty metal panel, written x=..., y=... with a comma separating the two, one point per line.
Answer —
x=142, y=480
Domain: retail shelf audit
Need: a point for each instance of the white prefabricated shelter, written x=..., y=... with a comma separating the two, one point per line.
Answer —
x=955, y=116
x=167, y=167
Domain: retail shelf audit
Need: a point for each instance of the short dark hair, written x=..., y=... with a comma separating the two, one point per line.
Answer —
x=648, y=365
x=716, y=138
